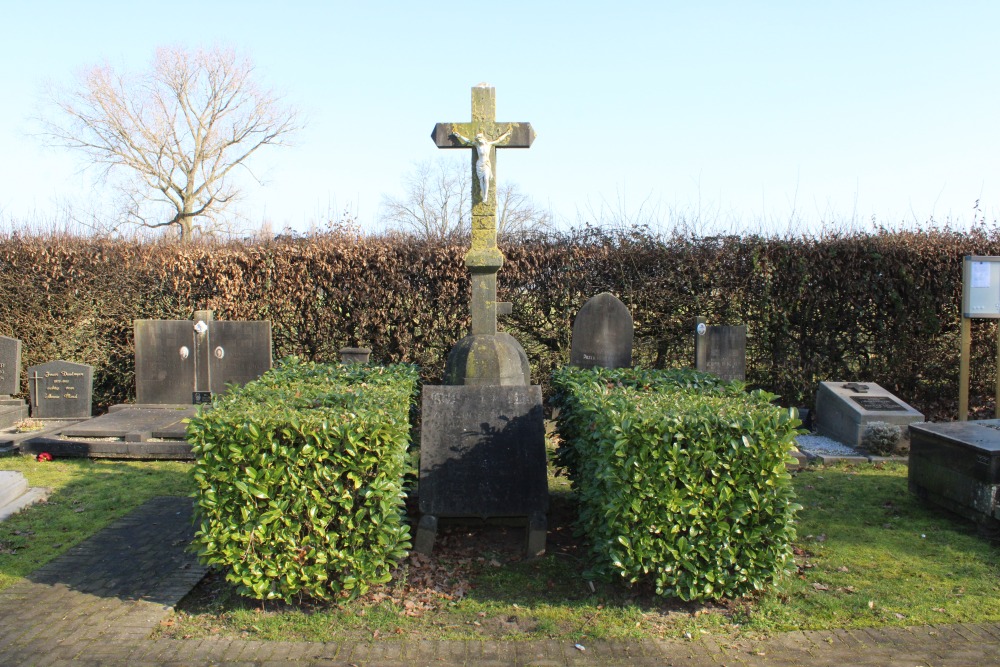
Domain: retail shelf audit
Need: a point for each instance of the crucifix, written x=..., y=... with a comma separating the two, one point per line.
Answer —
x=484, y=135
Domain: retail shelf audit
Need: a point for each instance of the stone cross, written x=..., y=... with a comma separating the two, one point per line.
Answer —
x=484, y=135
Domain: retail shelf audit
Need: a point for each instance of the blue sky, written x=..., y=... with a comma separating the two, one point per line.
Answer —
x=731, y=114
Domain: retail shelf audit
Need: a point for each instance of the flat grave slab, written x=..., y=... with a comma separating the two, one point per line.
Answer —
x=143, y=432
x=957, y=465
x=845, y=409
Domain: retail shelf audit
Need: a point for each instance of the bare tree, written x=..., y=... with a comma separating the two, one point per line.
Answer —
x=438, y=202
x=172, y=136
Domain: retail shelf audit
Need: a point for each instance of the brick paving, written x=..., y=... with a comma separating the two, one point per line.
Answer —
x=98, y=604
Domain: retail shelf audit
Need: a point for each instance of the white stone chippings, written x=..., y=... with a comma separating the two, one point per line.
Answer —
x=820, y=444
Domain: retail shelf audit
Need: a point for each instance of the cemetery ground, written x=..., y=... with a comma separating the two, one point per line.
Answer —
x=868, y=554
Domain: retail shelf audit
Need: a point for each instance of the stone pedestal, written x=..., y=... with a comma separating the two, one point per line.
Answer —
x=482, y=455
x=488, y=359
x=12, y=410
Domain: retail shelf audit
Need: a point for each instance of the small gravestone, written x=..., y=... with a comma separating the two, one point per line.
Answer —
x=845, y=409
x=60, y=390
x=720, y=350
x=957, y=466
x=602, y=334
x=185, y=362
x=12, y=410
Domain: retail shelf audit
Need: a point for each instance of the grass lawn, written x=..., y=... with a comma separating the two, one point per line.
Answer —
x=86, y=496
x=868, y=554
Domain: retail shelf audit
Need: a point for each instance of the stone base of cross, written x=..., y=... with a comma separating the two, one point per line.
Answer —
x=485, y=357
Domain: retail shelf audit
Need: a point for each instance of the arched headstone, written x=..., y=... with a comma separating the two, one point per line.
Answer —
x=602, y=334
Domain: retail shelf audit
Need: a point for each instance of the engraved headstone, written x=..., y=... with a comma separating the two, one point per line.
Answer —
x=60, y=390
x=720, y=350
x=12, y=410
x=482, y=454
x=845, y=409
x=957, y=466
x=603, y=334
x=185, y=362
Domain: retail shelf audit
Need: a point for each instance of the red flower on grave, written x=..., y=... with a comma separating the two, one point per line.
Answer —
x=44, y=456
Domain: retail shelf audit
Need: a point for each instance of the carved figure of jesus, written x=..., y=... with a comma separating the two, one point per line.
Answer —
x=484, y=166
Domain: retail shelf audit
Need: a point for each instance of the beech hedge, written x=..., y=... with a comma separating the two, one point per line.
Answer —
x=680, y=478
x=300, y=477
x=878, y=305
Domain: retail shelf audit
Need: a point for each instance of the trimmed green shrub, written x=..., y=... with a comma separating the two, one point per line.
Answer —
x=300, y=479
x=881, y=438
x=680, y=478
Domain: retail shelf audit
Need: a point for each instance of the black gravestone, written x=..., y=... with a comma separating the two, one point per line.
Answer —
x=185, y=362
x=720, y=350
x=482, y=454
x=60, y=390
x=957, y=465
x=10, y=366
x=602, y=334
x=12, y=410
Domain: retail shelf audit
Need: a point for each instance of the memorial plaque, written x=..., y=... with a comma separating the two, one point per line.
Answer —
x=482, y=452
x=845, y=409
x=878, y=403
x=721, y=350
x=185, y=362
x=10, y=366
x=60, y=390
x=603, y=333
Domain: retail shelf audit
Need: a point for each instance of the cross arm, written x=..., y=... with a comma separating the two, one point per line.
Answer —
x=521, y=136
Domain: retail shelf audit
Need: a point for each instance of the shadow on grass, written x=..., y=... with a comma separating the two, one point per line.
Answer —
x=109, y=528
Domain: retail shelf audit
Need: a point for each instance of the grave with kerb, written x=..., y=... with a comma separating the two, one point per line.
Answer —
x=179, y=364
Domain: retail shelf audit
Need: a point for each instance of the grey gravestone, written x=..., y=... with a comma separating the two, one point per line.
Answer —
x=482, y=454
x=12, y=410
x=602, y=334
x=60, y=390
x=185, y=362
x=845, y=409
x=10, y=366
x=720, y=350
x=957, y=465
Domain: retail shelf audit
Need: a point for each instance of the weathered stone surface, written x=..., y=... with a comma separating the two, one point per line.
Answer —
x=841, y=411
x=60, y=390
x=484, y=359
x=957, y=465
x=721, y=350
x=10, y=366
x=182, y=362
x=482, y=452
x=602, y=334
x=475, y=360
